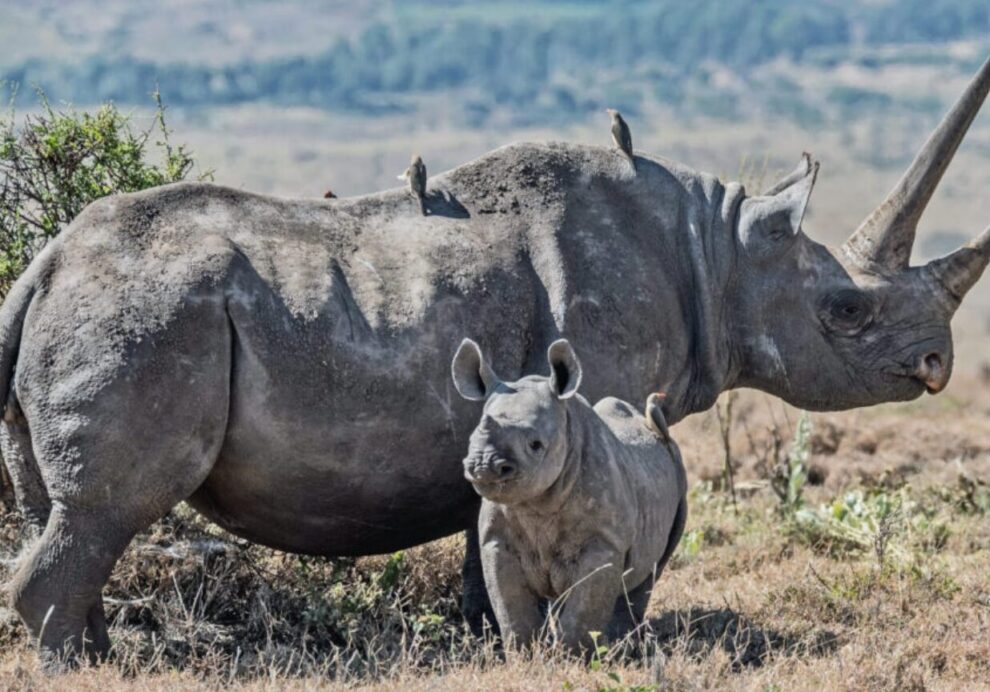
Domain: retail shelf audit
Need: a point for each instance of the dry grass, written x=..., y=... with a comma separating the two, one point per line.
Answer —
x=754, y=600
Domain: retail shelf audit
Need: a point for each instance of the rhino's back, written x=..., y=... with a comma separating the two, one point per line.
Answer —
x=568, y=215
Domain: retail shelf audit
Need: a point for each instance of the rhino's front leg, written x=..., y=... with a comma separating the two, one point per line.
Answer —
x=516, y=606
x=476, y=607
x=589, y=604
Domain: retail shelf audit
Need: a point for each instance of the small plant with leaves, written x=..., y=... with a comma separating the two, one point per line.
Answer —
x=791, y=472
x=725, y=432
x=691, y=544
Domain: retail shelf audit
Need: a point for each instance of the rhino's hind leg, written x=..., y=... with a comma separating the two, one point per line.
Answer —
x=29, y=490
x=58, y=583
x=113, y=464
x=630, y=608
x=56, y=588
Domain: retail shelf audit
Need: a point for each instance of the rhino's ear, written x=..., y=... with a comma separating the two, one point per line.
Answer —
x=473, y=377
x=768, y=224
x=799, y=173
x=565, y=369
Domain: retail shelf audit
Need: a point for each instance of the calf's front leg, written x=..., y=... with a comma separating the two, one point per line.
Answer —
x=516, y=607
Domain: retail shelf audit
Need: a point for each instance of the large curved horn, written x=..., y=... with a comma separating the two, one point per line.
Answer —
x=958, y=271
x=887, y=235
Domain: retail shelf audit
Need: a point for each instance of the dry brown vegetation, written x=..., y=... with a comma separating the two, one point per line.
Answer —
x=889, y=587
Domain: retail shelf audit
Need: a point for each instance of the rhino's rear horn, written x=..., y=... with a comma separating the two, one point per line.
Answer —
x=958, y=271
x=886, y=237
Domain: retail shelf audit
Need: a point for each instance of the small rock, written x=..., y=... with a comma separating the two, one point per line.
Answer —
x=867, y=443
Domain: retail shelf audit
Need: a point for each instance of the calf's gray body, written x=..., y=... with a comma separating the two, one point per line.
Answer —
x=581, y=505
x=282, y=364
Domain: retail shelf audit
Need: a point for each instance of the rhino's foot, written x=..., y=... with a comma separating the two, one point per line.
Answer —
x=478, y=613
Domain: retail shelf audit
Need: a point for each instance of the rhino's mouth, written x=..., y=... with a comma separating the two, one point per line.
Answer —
x=489, y=487
x=492, y=488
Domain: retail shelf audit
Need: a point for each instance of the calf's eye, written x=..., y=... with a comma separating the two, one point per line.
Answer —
x=535, y=445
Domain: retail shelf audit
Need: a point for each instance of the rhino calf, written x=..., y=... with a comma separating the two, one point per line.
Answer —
x=581, y=506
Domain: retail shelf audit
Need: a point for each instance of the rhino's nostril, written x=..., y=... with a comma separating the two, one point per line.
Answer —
x=932, y=371
x=505, y=469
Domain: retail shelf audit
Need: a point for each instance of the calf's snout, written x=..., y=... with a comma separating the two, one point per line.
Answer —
x=490, y=469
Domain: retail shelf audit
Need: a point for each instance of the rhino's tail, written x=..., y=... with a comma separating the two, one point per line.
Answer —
x=12, y=314
x=20, y=475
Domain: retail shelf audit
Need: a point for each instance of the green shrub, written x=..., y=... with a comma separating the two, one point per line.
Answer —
x=892, y=524
x=56, y=161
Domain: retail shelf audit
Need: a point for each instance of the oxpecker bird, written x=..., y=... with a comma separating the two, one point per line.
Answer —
x=621, y=135
x=416, y=175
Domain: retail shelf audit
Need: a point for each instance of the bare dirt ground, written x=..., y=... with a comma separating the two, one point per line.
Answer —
x=876, y=575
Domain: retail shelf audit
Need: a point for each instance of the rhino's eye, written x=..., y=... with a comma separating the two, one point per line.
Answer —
x=535, y=445
x=847, y=311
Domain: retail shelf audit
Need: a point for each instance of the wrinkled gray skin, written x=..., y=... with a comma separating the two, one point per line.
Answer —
x=582, y=505
x=282, y=364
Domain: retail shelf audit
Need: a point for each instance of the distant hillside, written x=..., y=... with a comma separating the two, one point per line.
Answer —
x=539, y=61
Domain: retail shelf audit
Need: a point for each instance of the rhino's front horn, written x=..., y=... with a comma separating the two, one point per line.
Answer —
x=886, y=237
x=958, y=271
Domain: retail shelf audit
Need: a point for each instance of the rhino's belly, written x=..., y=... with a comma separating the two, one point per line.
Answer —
x=336, y=503
x=341, y=461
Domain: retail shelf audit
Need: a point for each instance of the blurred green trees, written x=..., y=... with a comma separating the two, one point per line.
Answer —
x=508, y=53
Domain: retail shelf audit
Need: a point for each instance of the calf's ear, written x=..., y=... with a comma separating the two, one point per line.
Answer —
x=768, y=224
x=473, y=377
x=565, y=369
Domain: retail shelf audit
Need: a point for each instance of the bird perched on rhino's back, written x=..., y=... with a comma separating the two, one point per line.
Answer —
x=621, y=135
x=416, y=175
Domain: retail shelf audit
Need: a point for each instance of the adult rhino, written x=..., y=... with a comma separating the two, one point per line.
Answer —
x=283, y=365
